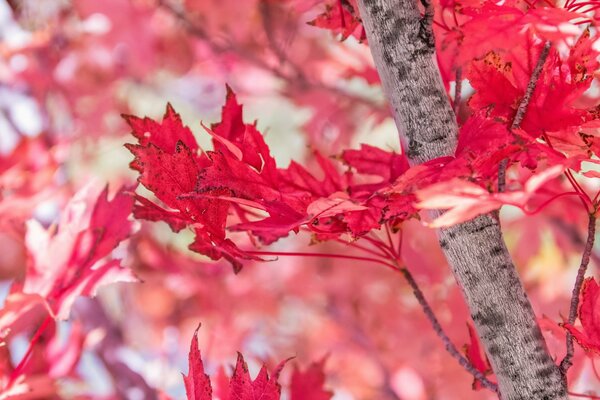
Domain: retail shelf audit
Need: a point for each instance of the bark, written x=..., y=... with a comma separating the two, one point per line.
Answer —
x=403, y=49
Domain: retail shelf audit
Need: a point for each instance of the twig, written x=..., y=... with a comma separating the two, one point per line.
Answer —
x=575, y=237
x=362, y=339
x=437, y=327
x=297, y=78
x=522, y=109
x=566, y=363
x=457, y=91
x=535, y=76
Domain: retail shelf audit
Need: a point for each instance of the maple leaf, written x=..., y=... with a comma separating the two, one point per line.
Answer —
x=241, y=385
x=501, y=81
x=370, y=160
x=238, y=187
x=493, y=26
x=589, y=338
x=72, y=259
x=476, y=356
x=466, y=200
x=308, y=384
x=171, y=168
x=197, y=382
x=165, y=135
x=341, y=17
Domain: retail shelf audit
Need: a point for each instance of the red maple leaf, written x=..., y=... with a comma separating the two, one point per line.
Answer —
x=341, y=17
x=241, y=385
x=476, y=356
x=73, y=259
x=501, y=81
x=197, y=382
x=238, y=187
x=589, y=305
x=308, y=385
x=465, y=200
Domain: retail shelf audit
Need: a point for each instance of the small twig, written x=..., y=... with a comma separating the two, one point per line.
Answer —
x=437, y=327
x=535, y=76
x=457, y=91
x=522, y=109
x=566, y=363
x=362, y=339
x=297, y=79
x=574, y=236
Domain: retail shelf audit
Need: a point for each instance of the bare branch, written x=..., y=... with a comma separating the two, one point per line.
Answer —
x=437, y=327
x=522, y=109
x=457, y=91
x=585, y=260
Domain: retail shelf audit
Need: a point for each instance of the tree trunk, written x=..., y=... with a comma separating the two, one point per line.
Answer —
x=402, y=45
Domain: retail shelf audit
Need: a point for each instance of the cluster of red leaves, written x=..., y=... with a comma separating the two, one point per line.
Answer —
x=73, y=258
x=307, y=385
x=65, y=261
x=238, y=186
x=556, y=135
x=467, y=30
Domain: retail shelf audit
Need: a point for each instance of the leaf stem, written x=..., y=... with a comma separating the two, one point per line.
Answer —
x=566, y=363
x=587, y=396
x=36, y=337
x=324, y=255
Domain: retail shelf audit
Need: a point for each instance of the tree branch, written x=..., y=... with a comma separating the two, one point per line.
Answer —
x=585, y=260
x=437, y=327
x=296, y=78
x=457, y=92
x=522, y=109
x=475, y=250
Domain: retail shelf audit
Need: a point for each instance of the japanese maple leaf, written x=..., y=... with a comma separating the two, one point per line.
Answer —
x=308, y=385
x=238, y=187
x=476, y=356
x=241, y=385
x=341, y=17
x=589, y=308
x=197, y=382
x=73, y=258
x=501, y=81
x=465, y=200
x=494, y=26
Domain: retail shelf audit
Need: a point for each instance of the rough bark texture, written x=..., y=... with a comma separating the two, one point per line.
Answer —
x=402, y=45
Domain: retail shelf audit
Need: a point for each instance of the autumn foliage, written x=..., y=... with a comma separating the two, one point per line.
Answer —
x=276, y=157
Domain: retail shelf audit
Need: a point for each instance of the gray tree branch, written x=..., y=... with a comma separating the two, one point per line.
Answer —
x=402, y=44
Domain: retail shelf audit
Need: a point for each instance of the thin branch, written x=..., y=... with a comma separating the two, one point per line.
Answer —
x=574, y=236
x=362, y=339
x=522, y=109
x=323, y=255
x=427, y=310
x=457, y=91
x=535, y=76
x=437, y=327
x=297, y=78
x=585, y=260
